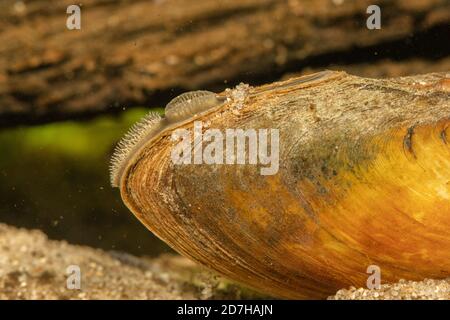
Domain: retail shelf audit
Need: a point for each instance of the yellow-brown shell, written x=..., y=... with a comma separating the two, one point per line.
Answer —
x=364, y=179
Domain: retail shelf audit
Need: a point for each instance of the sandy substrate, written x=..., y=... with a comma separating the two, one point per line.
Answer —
x=428, y=289
x=33, y=267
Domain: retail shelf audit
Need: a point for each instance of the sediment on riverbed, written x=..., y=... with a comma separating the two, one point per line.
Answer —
x=34, y=267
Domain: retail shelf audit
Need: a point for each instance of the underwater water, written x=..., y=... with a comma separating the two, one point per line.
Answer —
x=55, y=177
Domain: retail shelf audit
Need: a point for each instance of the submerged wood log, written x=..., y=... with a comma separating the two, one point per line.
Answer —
x=363, y=179
x=135, y=52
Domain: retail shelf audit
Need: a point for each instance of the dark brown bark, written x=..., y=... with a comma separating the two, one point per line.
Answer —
x=145, y=52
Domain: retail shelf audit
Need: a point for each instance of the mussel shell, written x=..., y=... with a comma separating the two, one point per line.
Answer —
x=364, y=179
